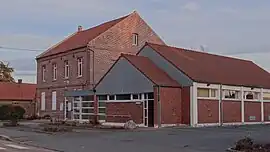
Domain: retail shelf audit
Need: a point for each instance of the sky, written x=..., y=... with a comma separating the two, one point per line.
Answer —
x=234, y=28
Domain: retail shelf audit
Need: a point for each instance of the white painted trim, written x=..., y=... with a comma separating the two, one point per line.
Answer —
x=242, y=106
x=195, y=104
x=115, y=101
x=252, y=123
x=230, y=99
x=208, y=98
x=207, y=124
x=266, y=100
x=220, y=110
x=191, y=113
x=262, y=107
x=252, y=100
x=266, y=90
x=172, y=125
x=118, y=124
x=234, y=88
x=233, y=124
x=251, y=90
x=204, y=85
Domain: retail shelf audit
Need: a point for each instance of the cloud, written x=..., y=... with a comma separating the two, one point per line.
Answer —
x=192, y=6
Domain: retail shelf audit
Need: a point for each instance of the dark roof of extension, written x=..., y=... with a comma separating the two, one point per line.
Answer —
x=150, y=70
x=210, y=68
x=80, y=39
x=17, y=92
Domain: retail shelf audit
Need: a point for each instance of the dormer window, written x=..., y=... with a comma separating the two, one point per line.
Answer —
x=54, y=71
x=135, y=37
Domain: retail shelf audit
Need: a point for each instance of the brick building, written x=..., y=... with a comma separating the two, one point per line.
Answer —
x=80, y=60
x=19, y=94
x=165, y=86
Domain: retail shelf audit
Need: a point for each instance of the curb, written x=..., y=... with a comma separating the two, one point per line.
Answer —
x=6, y=138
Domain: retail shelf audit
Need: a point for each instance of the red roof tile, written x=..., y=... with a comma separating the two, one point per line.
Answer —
x=80, y=39
x=15, y=91
x=151, y=71
x=210, y=68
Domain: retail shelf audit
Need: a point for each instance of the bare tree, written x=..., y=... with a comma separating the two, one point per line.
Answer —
x=6, y=72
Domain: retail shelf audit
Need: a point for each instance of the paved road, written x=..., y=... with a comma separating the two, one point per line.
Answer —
x=6, y=146
x=157, y=140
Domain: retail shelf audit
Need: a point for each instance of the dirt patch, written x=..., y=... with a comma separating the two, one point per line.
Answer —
x=248, y=145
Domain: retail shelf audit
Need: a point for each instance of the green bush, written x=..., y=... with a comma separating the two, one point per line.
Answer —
x=10, y=112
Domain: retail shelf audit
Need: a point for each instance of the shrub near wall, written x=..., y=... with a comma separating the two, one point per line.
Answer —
x=9, y=112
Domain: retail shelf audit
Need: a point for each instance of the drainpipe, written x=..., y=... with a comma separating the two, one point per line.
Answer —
x=220, y=106
x=93, y=69
x=158, y=107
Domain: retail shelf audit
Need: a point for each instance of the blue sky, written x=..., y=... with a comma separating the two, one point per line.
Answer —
x=236, y=28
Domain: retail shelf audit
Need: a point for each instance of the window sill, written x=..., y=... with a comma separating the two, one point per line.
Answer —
x=251, y=100
x=266, y=100
x=231, y=99
x=207, y=98
x=79, y=76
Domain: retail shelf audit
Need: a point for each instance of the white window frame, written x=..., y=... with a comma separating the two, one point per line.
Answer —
x=66, y=71
x=79, y=67
x=135, y=39
x=43, y=73
x=54, y=71
x=43, y=101
x=253, y=92
x=235, y=99
x=54, y=100
x=210, y=93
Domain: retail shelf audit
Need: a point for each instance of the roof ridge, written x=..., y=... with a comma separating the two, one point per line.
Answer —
x=55, y=45
x=196, y=51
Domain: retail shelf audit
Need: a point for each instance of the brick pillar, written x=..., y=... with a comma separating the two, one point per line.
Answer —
x=95, y=105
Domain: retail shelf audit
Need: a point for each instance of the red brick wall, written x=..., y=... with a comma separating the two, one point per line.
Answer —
x=171, y=104
x=129, y=111
x=110, y=44
x=252, y=109
x=231, y=111
x=107, y=48
x=208, y=111
x=266, y=106
x=186, y=105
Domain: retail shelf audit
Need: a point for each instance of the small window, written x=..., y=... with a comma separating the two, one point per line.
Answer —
x=252, y=95
x=266, y=96
x=43, y=102
x=135, y=39
x=136, y=96
x=203, y=92
x=231, y=94
x=43, y=73
x=66, y=69
x=54, y=71
x=112, y=97
x=54, y=100
x=102, y=97
x=123, y=97
x=79, y=71
x=206, y=93
x=87, y=98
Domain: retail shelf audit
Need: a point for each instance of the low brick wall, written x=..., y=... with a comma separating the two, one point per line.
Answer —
x=231, y=111
x=208, y=111
x=121, y=112
x=252, y=109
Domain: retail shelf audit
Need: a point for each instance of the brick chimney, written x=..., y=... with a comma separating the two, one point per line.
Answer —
x=80, y=28
x=19, y=81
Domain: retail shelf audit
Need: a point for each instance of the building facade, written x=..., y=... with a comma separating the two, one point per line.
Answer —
x=80, y=60
x=19, y=94
x=167, y=86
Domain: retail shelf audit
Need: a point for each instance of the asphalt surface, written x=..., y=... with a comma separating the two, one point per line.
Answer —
x=157, y=140
x=6, y=146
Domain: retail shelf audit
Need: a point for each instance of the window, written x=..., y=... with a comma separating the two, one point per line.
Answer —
x=136, y=96
x=54, y=100
x=231, y=94
x=135, y=39
x=79, y=71
x=102, y=97
x=266, y=96
x=252, y=95
x=43, y=103
x=203, y=92
x=123, y=97
x=112, y=97
x=66, y=69
x=43, y=73
x=54, y=71
x=206, y=93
